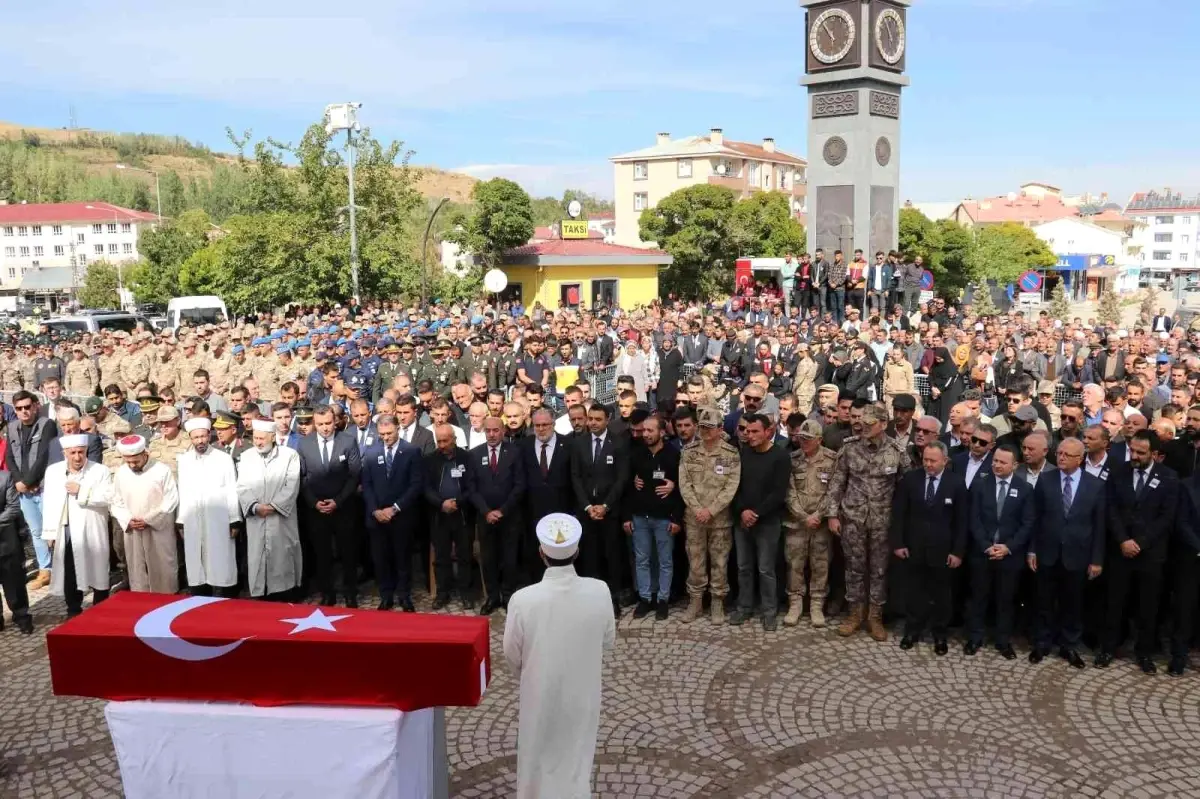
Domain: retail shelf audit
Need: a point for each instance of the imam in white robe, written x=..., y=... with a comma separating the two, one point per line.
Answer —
x=208, y=505
x=273, y=558
x=150, y=555
x=554, y=640
x=83, y=519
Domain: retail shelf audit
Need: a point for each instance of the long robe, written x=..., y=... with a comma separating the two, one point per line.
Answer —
x=273, y=555
x=208, y=505
x=151, y=495
x=84, y=518
x=554, y=640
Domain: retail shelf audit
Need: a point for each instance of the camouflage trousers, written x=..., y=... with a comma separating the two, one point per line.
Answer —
x=867, y=550
x=805, y=547
x=708, y=549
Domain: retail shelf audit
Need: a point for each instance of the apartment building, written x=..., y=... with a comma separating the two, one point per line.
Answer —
x=643, y=177
x=1169, y=237
x=50, y=235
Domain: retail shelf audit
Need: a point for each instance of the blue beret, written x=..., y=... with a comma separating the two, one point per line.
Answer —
x=368, y=341
x=237, y=348
x=276, y=334
x=371, y=328
x=322, y=355
x=282, y=349
x=304, y=342
x=386, y=340
x=477, y=320
x=400, y=326
x=341, y=342
x=259, y=341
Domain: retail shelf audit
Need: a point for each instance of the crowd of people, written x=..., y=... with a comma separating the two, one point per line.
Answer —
x=758, y=454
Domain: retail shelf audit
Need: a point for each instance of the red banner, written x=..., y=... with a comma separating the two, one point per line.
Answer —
x=159, y=646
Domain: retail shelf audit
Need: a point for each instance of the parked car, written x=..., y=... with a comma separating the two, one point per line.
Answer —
x=97, y=321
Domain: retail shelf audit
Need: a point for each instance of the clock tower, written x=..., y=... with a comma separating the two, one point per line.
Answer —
x=854, y=64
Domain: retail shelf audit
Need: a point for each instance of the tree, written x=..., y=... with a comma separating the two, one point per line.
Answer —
x=694, y=225
x=1060, y=306
x=1109, y=311
x=141, y=198
x=950, y=268
x=919, y=236
x=99, y=289
x=155, y=279
x=502, y=218
x=984, y=304
x=1003, y=252
x=1149, y=305
x=763, y=225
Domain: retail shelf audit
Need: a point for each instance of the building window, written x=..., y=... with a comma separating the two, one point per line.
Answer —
x=767, y=179
x=1164, y=220
x=1183, y=256
x=1185, y=220
x=127, y=248
x=1184, y=239
x=1163, y=238
x=58, y=250
x=39, y=251
x=126, y=227
x=36, y=264
x=24, y=252
x=82, y=259
x=37, y=230
x=22, y=230
x=1161, y=255
x=99, y=248
x=12, y=273
x=8, y=230
x=798, y=178
x=783, y=180
x=640, y=201
x=97, y=228
x=10, y=252
x=753, y=179
x=641, y=170
x=685, y=167
x=57, y=230
x=79, y=238
x=112, y=249
x=112, y=227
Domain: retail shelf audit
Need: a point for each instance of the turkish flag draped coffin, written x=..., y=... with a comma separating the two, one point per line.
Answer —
x=159, y=646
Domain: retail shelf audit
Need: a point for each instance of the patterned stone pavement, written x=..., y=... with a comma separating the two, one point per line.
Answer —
x=700, y=711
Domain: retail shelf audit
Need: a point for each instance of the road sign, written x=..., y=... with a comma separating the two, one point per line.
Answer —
x=1030, y=281
x=926, y=280
x=1029, y=298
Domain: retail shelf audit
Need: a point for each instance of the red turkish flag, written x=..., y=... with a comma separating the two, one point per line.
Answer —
x=160, y=646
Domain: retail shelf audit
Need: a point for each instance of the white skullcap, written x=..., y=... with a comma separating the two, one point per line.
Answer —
x=197, y=423
x=80, y=440
x=131, y=445
x=262, y=426
x=559, y=535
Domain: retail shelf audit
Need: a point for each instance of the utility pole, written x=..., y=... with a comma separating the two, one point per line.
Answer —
x=424, y=253
x=339, y=117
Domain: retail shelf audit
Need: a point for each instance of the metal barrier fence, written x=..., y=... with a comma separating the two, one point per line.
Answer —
x=1061, y=393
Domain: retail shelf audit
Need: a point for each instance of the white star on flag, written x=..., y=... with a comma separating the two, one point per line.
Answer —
x=317, y=620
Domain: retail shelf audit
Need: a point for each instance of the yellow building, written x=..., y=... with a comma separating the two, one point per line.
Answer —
x=574, y=272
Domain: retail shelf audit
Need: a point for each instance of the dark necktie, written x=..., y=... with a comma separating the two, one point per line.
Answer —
x=1067, y=497
x=1001, y=495
x=596, y=454
x=492, y=460
x=929, y=491
x=543, y=462
x=391, y=451
x=1139, y=480
x=325, y=452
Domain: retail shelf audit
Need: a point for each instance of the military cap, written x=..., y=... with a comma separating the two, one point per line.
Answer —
x=92, y=404
x=304, y=413
x=225, y=420
x=237, y=349
x=828, y=387
x=393, y=347
x=904, y=402
x=149, y=404
x=811, y=428
x=1026, y=413
x=873, y=413
x=1045, y=387
x=708, y=416
x=166, y=413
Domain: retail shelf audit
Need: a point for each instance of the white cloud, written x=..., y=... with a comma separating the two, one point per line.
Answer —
x=548, y=180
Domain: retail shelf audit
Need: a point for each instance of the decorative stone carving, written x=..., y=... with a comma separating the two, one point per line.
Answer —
x=834, y=150
x=835, y=104
x=884, y=104
x=883, y=151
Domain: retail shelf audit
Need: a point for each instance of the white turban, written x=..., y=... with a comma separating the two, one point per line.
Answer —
x=262, y=426
x=197, y=423
x=80, y=440
x=131, y=445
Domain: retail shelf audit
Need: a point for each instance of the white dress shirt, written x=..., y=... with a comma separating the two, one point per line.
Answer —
x=1094, y=470
x=973, y=467
x=549, y=445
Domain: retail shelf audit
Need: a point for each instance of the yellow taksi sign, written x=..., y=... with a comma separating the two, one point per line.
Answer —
x=574, y=229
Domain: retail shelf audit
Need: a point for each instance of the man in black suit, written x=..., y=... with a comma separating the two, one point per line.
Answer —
x=976, y=461
x=391, y=485
x=1185, y=572
x=1002, y=517
x=329, y=470
x=599, y=472
x=546, y=459
x=694, y=346
x=1143, y=497
x=410, y=431
x=1067, y=551
x=447, y=493
x=929, y=533
x=497, y=487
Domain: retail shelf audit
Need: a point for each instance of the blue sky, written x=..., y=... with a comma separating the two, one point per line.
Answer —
x=1092, y=95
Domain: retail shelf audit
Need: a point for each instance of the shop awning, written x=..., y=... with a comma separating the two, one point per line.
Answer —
x=1108, y=273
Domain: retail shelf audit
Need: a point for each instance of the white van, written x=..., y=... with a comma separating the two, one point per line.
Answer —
x=195, y=311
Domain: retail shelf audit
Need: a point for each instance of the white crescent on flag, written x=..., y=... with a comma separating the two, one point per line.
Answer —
x=154, y=630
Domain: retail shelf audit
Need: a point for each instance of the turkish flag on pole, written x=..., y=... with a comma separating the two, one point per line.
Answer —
x=160, y=646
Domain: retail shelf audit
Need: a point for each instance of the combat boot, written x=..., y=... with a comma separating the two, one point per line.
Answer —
x=718, y=610
x=853, y=621
x=875, y=627
x=816, y=609
x=694, y=609
x=795, y=608
x=41, y=581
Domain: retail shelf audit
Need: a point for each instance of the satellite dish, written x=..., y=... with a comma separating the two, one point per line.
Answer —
x=1012, y=197
x=495, y=281
x=574, y=209
x=720, y=169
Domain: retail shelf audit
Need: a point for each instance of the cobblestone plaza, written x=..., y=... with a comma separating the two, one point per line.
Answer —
x=702, y=711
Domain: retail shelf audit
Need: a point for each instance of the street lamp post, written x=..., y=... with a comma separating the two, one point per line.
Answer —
x=424, y=247
x=339, y=117
x=157, y=189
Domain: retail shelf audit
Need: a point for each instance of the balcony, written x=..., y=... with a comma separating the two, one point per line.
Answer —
x=728, y=181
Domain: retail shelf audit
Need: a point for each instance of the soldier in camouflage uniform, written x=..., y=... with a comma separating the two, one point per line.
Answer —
x=709, y=471
x=170, y=440
x=82, y=377
x=265, y=369
x=164, y=371
x=806, y=539
x=239, y=367
x=135, y=367
x=10, y=370
x=109, y=364
x=188, y=362
x=859, y=509
x=219, y=362
x=27, y=357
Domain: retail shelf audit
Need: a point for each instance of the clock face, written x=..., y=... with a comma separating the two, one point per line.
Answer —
x=831, y=35
x=889, y=35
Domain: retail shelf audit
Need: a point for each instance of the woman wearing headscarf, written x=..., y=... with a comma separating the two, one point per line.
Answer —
x=1008, y=369
x=945, y=387
x=630, y=362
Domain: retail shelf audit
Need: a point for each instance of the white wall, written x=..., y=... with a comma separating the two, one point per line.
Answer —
x=1182, y=252
x=75, y=239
